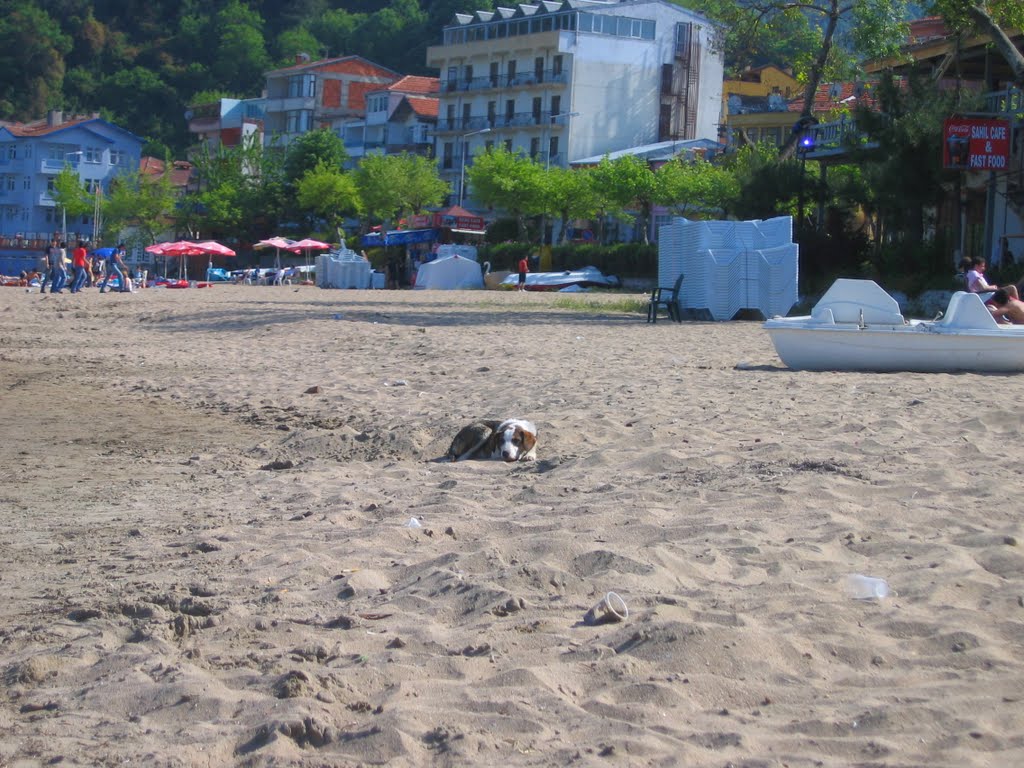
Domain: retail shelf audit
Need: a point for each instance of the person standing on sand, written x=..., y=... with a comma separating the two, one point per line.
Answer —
x=45, y=270
x=59, y=277
x=80, y=263
x=524, y=267
x=115, y=264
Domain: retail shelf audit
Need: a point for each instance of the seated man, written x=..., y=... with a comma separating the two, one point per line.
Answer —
x=1006, y=308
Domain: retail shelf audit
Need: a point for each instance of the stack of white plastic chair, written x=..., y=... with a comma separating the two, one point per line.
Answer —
x=343, y=268
x=731, y=265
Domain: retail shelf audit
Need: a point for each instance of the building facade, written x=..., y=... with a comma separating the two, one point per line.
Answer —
x=564, y=79
x=226, y=122
x=31, y=157
x=319, y=94
x=399, y=117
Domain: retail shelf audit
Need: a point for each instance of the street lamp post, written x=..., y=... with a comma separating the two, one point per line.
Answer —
x=462, y=173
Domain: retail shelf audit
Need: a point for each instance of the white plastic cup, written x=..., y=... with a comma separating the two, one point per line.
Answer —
x=610, y=608
x=861, y=587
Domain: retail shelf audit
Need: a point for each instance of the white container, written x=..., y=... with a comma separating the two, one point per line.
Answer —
x=861, y=587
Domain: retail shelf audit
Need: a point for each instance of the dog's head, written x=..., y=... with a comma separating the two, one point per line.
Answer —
x=514, y=440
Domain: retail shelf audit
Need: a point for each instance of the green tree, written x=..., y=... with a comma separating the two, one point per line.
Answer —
x=567, y=194
x=71, y=195
x=422, y=187
x=695, y=188
x=138, y=208
x=905, y=172
x=309, y=150
x=379, y=179
x=241, y=52
x=510, y=182
x=765, y=186
x=32, y=50
x=328, y=192
x=630, y=183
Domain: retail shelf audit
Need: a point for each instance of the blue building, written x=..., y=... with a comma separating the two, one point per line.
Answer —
x=31, y=156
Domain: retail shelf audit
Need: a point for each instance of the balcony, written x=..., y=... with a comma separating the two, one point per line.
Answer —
x=56, y=166
x=46, y=199
x=515, y=120
x=292, y=104
x=501, y=82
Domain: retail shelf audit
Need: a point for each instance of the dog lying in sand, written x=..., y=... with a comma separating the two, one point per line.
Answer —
x=508, y=440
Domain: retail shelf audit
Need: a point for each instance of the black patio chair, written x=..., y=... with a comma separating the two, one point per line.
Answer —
x=667, y=299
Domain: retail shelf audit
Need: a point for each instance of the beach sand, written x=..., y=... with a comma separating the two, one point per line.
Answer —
x=208, y=560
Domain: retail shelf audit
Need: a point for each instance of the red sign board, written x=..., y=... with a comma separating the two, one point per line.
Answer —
x=976, y=144
x=472, y=223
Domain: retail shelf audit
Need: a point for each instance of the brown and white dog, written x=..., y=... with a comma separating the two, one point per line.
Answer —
x=508, y=440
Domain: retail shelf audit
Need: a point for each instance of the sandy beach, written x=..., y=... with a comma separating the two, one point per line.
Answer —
x=209, y=557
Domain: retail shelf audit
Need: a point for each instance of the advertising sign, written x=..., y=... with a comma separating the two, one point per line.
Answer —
x=976, y=144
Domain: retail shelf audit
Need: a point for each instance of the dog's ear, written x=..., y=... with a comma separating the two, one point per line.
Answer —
x=529, y=441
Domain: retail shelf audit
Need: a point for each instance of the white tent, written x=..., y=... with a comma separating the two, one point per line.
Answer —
x=450, y=273
x=343, y=269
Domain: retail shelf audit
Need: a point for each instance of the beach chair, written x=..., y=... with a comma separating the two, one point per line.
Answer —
x=667, y=299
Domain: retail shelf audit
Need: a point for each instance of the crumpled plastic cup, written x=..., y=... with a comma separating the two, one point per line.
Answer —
x=609, y=609
x=861, y=587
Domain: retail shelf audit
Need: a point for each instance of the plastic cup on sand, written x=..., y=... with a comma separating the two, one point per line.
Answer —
x=861, y=587
x=610, y=608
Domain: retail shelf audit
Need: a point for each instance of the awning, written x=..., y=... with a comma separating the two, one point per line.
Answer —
x=471, y=231
x=399, y=237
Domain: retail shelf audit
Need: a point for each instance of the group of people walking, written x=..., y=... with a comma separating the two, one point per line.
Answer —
x=87, y=270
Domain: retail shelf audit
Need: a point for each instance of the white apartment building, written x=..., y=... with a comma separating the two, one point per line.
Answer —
x=564, y=79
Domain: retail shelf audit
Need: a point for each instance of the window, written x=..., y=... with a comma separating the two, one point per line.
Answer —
x=92, y=155
x=10, y=183
x=511, y=66
x=536, y=109
x=553, y=148
x=26, y=182
x=12, y=152
x=469, y=73
x=492, y=113
x=556, y=65
x=488, y=146
x=298, y=120
x=556, y=105
x=494, y=74
x=301, y=86
x=510, y=109
x=538, y=68
x=453, y=78
x=118, y=157
x=508, y=145
x=534, y=147
x=447, y=157
x=467, y=110
x=28, y=151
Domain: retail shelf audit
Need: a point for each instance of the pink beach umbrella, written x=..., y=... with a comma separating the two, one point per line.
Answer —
x=307, y=245
x=276, y=243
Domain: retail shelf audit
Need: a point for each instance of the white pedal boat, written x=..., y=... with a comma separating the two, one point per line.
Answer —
x=857, y=326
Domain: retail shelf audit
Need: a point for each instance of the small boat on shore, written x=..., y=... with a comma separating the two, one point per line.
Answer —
x=587, y=277
x=857, y=326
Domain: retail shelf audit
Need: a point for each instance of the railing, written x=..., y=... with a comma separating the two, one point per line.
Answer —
x=836, y=138
x=45, y=198
x=515, y=120
x=1008, y=102
x=56, y=166
x=491, y=82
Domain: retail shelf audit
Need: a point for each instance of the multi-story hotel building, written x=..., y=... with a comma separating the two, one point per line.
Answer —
x=564, y=79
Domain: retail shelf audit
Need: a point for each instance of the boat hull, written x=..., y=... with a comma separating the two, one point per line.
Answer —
x=856, y=326
x=911, y=349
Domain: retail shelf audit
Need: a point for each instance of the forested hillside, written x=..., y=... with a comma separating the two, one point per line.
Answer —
x=141, y=62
